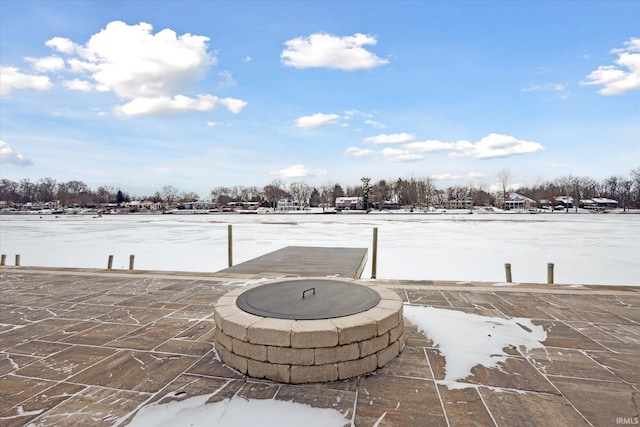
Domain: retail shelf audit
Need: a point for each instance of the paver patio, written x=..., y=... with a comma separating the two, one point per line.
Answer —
x=91, y=347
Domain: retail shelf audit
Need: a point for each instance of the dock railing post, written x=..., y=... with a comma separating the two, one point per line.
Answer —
x=550, y=273
x=507, y=272
x=17, y=260
x=3, y=259
x=374, y=256
x=230, y=244
x=131, y=261
x=110, y=262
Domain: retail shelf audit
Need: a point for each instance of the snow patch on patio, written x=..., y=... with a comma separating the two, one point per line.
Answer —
x=467, y=340
x=236, y=412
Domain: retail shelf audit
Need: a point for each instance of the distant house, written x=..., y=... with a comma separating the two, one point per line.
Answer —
x=518, y=202
x=564, y=201
x=288, y=203
x=199, y=205
x=350, y=203
x=598, y=203
x=544, y=203
x=460, y=204
x=134, y=206
x=389, y=204
x=232, y=206
x=515, y=201
x=241, y=206
x=251, y=206
x=156, y=207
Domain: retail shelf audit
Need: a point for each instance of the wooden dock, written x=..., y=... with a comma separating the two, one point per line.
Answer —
x=304, y=261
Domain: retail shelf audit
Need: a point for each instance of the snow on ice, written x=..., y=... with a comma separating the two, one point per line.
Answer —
x=585, y=248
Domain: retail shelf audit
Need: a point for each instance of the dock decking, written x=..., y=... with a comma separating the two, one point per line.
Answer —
x=304, y=261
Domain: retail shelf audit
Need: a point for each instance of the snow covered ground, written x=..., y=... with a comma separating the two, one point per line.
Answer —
x=586, y=249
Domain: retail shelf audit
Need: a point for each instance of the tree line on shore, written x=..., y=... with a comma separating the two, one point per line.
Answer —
x=418, y=192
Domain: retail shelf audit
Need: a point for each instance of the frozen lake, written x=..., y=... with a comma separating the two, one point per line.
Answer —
x=586, y=249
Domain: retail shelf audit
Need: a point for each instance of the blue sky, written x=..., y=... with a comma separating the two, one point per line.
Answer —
x=142, y=94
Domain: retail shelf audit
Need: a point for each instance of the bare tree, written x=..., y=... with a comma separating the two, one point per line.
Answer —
x=426, y=190
x=300, y=191
x=635, y=178
x=611, y=186
x=381, y=192
x=625, y=186
x=105, y=194
x=188, y=197
x=326, y=194
x=504, y=176
x=221, y=195
x=9, y=190
x=27, y=190
x=169, y=194
x=274, y=192
x=46, y=189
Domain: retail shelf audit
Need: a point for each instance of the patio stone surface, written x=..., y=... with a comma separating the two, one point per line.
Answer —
x=92, y=347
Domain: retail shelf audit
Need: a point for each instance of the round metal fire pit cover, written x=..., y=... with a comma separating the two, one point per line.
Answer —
x=308, y=299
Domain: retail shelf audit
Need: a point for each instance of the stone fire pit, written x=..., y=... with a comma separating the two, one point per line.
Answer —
x=309, y=330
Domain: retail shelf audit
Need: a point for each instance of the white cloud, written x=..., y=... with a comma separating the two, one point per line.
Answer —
x=47, y=64
x=78, y=66
x=394, y=138
x=326, y=50
x=351, y=113
x=135, y=63
x=375, y=124
x=491, y=146
x=430, y=146
x=622, y=77
x=558, y=165
x=456, y=177
x=153, y=72
x=11, y=78
x=78, y=84
x=399, y=155
x=63, y=45
x=317, y=120
x=359, y=152
x=175, y=105
x=227, y=80
x=557, y=88
x=293, y=171
x=366, y=117
x=7, y=155
x=495, y=145
x=233, y=105
x=543, y=87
